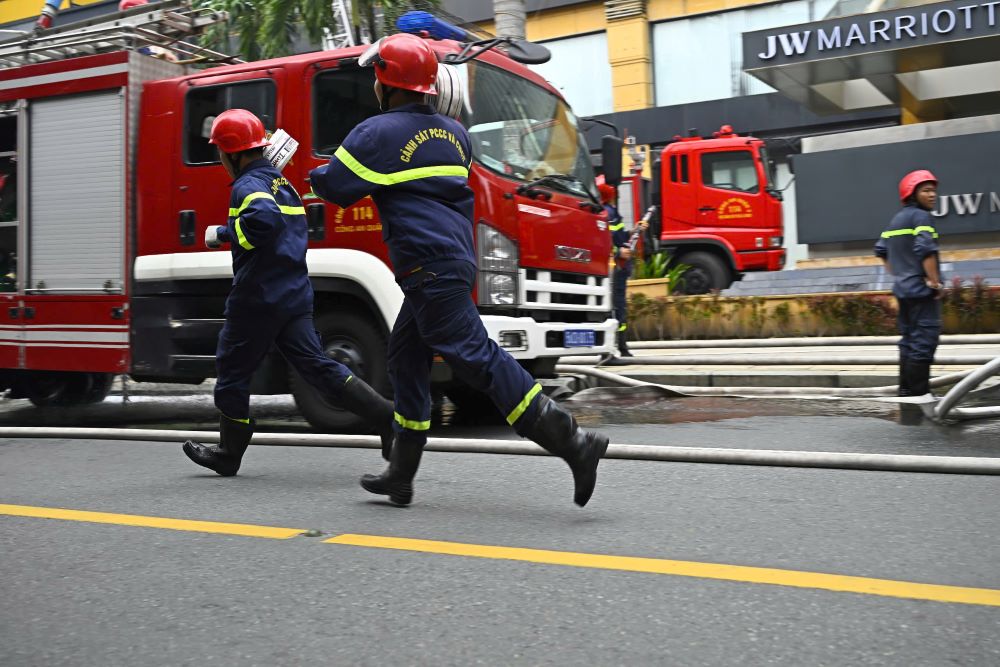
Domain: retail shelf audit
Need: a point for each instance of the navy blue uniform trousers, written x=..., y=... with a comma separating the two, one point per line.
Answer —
x=919, y=323
x=619, y=301
x=244, y=342
x=438, y=315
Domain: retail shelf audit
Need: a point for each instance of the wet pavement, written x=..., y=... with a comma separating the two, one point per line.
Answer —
x=102, y=567
x=628, y=415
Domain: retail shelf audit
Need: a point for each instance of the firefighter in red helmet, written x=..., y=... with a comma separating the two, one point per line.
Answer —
x=414, y=163
x=621, y=239
x=909, y=250
x=271, y=300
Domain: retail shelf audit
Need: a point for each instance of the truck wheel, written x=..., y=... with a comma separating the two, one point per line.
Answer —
x=708, y=272
x=47, y=388
x=357, y=343
x=100, y=387
x=69, y=389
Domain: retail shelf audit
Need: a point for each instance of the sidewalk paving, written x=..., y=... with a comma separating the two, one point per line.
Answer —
x=818, y=367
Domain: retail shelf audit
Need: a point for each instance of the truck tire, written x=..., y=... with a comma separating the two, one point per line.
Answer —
x=99, y=389
x=359, y=344
x=68, y=389
x=47, y=388
x=708, y=272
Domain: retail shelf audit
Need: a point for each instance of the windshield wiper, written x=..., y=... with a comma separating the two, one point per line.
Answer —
x=561, y=182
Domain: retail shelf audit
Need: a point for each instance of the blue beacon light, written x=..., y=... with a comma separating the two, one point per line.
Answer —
x=416, y=22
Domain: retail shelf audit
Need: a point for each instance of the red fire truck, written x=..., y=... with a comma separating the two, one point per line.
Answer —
x=720, y=212
x=116, y=183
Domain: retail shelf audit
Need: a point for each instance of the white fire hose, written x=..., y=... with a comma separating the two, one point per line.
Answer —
x=716, y=455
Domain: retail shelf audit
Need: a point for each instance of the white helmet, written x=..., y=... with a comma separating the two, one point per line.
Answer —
x=451, y=90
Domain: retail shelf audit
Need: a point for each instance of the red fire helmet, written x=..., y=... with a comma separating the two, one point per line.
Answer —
x=912, y=180
x=129, y=4
x=609, y=193
x=403, y=61
x=238, y=130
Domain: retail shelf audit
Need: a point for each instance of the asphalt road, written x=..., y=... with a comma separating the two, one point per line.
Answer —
x=90, y=590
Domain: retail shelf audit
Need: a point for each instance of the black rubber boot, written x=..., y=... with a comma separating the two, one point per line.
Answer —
x=397, y=479
x=360, y=398
x=558, y=433
x=920, y=377
x=904, y=378
x=224, y=458
x=623, y=344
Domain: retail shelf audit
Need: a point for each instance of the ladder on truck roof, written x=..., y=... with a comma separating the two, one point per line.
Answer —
x=165, y=27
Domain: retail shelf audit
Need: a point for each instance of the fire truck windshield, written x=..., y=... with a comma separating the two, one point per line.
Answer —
x=524, y=132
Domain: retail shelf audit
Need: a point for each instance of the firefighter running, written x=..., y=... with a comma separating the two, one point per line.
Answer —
x=271, y=300
x=910, y=251
x=422, y=194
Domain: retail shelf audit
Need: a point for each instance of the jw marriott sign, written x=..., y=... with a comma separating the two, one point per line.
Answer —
x=866, y=33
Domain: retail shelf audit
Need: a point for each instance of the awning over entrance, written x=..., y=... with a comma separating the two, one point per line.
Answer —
x=934, y=60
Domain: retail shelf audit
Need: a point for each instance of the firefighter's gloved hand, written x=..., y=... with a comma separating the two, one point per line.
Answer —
x=212, y=237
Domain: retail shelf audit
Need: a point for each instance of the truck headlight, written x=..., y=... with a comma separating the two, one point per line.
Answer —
x=497, y=285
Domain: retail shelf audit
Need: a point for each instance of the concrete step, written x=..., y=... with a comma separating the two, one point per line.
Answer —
x=850, y=279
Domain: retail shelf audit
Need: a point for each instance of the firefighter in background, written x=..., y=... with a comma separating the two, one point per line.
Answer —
x=271, y=301
x=621, y=239
x=909, y=250
x=414, y=162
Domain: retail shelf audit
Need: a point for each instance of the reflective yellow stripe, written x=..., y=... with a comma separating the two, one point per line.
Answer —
x=617, y=228
x=622, y=327
x=914, y=232
x=242, y=421
x=523, y=405
x=241, y=237
x=361, y=171
x=411, y=424
x=233, y=212
x=292, y=210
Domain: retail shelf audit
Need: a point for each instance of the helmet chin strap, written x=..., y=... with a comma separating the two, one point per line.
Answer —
x=387, y=91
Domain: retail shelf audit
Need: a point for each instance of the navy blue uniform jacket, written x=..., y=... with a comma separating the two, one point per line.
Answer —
x=414, y=163
x=619, y=235
x=267, y=230
x=908, y=241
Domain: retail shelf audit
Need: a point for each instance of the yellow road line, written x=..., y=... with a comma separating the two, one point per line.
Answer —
x=680, y=568
x=757, y=575
x=247, y=530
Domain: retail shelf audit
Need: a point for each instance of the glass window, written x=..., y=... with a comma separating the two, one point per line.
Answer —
x=342, y=98
x=203, y=104
x=673, y=168
x=580, y=70
x=684, y=169
x=729, y=170
x=701, y=58
x=523, y=131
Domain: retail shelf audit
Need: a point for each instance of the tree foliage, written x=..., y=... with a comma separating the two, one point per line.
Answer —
x=269, y=28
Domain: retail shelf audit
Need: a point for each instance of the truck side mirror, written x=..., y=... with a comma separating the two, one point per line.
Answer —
x=656, y=184
x=611, y=159
x=528, y=53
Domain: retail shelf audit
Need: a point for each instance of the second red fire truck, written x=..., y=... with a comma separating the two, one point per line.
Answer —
x=719, y=210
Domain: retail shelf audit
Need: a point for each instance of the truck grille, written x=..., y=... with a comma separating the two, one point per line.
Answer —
x=560, y=290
